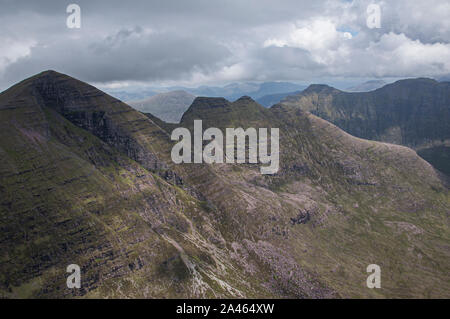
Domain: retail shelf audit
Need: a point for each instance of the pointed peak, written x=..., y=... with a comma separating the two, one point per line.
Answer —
x=245, y=98
x=202, y=102
x=50, y=74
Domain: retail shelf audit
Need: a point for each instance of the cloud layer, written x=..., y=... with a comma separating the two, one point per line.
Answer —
x=202, y=42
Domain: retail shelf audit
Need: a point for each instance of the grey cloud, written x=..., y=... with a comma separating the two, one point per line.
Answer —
x=130, y=54
x=168, y=40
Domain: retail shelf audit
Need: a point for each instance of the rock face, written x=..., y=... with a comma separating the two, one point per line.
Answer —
x=86, y=179
x=413, y=112
x=302, y=218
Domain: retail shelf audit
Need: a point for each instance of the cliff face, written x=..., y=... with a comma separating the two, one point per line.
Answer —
x=414, y=113
x=112, y=121
x=86, y=179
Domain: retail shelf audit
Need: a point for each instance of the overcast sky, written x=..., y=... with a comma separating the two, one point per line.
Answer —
x=194, y=42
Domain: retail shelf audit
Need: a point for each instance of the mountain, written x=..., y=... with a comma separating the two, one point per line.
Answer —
x=367, y=86
x=271, y=99
x=230, y=91
x=412, y=112
x=134, y=93
x=267, y=88
x=168, y=106
x=86, y=179
x=234, y=91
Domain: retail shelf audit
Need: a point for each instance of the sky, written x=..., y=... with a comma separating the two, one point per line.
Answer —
x=208, y=42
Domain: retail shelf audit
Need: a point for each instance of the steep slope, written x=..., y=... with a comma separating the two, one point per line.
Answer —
x=86, y=179
x=168, y=106
x=414, y=113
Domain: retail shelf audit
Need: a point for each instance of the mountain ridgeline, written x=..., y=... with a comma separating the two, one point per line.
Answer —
x=413, y=112
x=85, y=179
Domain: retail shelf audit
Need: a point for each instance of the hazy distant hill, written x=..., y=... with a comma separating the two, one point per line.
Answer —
x=267, y=88
x=445, y=78
x=133, y=94
x=230, y=91
x=367, y=86
x=271, y=99
x=86, y=179
x=168, y=106
x=412, y=112
x=255, y=90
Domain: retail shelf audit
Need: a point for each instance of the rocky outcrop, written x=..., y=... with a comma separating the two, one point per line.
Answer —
x=104, y=116
x=302, y=218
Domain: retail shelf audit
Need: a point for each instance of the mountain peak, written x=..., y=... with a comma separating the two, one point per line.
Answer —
x=203, y=102
x=417, y=80
x=85, y=178
x=415, y=85
x=44, y=79
x=245, y=98
x=320, y=88
x=52, y=74
x=203, y=105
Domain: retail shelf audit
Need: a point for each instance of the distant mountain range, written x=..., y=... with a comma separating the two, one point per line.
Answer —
x=445, y=78
x=412, y=112
x=86, y=179
x=231, y=91
x=168, y=106
x=134, y=93
x=271, y=99
x=254, y=90
x=367, y=86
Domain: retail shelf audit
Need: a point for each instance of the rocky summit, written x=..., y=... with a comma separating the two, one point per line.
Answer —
x=85, y=179
x=411, y=112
